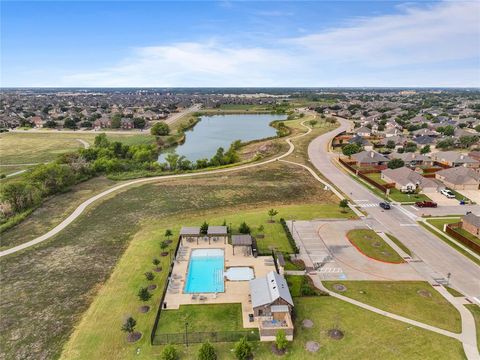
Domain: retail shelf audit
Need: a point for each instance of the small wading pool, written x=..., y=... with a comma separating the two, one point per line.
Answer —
x=239, y=273
x=205, y=271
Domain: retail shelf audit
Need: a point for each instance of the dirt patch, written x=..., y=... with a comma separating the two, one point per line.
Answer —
x=340, y=287
x=270, y=221
x=307, y=323
x=335, y=334
x=158, y=269
x=134, y=336
x=152, y=287
x=312, y=346
x=277, y=351
x=144, y=309
x=260, y=236
x=424, y=293
x=168, y=242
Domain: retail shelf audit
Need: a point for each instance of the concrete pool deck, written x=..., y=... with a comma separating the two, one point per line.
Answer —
x=235, y=291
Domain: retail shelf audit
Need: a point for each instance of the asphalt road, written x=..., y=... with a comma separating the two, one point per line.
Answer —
x=438, y=258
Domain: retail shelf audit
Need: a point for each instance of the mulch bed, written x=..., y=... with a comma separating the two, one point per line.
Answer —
x=168, y=242
x=276, y=351
x=335, y=334
x=158, y=269
x=165, y=253
x=144, y=309
x=134, y=336
x=270, y=221
x=424, y=293
x=152, y=287
x=340, y=287
x=307, y=323
x=312, y=346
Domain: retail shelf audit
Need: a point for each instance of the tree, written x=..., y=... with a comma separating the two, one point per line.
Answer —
x=395, y=163
x=312, y=123
x=116, y=121
x=243, y=350
x=261, y=229
x=169, y=353
x=163, y=245
x=445, y=143
x=149, y=276
x=272, y=213
x=244, y=228
x=70, y=124
x=156, y=262
x=350, y=149
x=139, y=123
x=425, y=150
x=129, y=325
x=448, y=130
x=477, y=128
x=168, y=233
x=466, y=140
x=204, y=228
x=390, y=144
x=172, y=160
x=101, y=141
x=20, y=195
x=160, y=129
x=144, y=294
x=281, y=340
x=343, y=205
x=51, y=124
x=207, y=352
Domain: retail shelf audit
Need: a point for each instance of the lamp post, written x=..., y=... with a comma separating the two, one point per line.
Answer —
x=448, y=278
x=186, y=333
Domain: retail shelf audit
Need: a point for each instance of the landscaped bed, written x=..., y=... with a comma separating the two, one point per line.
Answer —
x=416, y=300
x=370, y=244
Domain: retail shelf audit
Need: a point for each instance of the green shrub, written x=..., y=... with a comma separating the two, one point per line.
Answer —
x=281, y=340
x=169, y=353
x=243, y=350
x=207, y=352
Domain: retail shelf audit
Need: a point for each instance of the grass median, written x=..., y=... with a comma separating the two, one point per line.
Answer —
x=370, y=244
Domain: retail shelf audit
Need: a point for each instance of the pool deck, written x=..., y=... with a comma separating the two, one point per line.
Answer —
x=235, y=291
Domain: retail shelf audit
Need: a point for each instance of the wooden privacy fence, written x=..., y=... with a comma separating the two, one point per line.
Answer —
x=200, y=337
x=384, y=188
x=450, y=230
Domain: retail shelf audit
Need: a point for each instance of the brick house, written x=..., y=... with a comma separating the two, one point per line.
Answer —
x=471, y=223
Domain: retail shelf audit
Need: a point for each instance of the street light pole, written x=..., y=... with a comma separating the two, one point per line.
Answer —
x=448, y=278
x=186, y=333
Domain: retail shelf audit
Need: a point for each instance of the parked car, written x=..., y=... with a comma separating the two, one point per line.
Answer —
x=425, y=204
x=385, y=205
x=448, y=193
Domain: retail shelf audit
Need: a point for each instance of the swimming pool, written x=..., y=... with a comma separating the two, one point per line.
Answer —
x=205, y=271
x=239, y=273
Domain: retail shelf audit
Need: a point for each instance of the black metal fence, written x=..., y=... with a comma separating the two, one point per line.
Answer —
x=200, y=337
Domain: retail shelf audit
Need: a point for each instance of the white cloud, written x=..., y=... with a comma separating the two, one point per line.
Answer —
x=416, y=47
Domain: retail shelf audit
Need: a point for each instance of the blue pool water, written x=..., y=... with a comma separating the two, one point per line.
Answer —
x=205, y=271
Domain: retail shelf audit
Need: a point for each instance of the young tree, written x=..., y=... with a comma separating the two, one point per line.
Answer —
x=116, y=121
x=156, y=262
x=172, y=160
x=70, y=124
x=390, y=144
x=139, y=123
x=169, y=353
x=395, y=163
x=272, y=213
x=312, y=123
x=144, y=294
x=149, y=276
x=101, y=141
x=261, y=229
x=243, y=350
x=350, y=149
x=207, y=352
x=343, y=205
x=425, y=150
x=160, y=129
x=204, y=228
x=129, y=325
x=281, y=340
x=168, y=233
x=163, y=245
x=244, y=228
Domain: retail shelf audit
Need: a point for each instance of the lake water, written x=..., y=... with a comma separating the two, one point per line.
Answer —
x=217, y=131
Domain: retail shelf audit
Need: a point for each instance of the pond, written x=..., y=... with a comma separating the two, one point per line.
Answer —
x=216, y=131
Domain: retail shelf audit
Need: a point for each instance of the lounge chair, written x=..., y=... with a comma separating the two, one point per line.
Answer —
x=194, y=296
x=202, y=298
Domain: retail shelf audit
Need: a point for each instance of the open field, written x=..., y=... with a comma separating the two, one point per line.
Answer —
x=416, y=300
x=59, y=278
x=372, y=245
x=31, y=147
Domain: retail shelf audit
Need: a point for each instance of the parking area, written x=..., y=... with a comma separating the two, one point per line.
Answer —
x=442, y=200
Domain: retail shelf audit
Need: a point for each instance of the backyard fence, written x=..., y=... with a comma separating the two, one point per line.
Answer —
x=384, y=188
x=201, y=337
x=450, y=230
x=290, y=238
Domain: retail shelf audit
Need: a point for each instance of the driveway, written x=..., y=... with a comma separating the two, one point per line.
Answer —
x=442, y=200
x=473, y=195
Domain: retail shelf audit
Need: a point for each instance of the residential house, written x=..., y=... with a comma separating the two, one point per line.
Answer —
x=126, y=123
x=459, y=178
x=474, y=155
x=363, y=131
x=272, y=305
x=454, y=159
x=37, y=121
x=413, y=159
x=103, y=122
x=369, y=158
x=471, y=223
x=408, y=181
x=366, y=144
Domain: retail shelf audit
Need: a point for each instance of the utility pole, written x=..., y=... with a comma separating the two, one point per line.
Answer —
x=186, y=333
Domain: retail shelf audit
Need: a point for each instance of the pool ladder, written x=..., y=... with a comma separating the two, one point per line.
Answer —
x=218, y=279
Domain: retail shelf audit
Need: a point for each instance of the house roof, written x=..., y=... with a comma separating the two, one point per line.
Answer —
x=453, y=157
x=460, y=175
x=472, y=219
x=241, y=240
x=369, y=157
x=404, y=176
x=407, y=157
x=190, y=230
x=266, y=290
x=217, y=230
x=423, y=140
x=279, y=308
x=363, y=129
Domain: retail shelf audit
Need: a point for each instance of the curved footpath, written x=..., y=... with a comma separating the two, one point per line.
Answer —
x=81, y=208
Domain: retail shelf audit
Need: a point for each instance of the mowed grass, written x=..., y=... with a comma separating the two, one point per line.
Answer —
x=48, y=287
x=372, y=245
x=31, y=147
x=399, y=244
x=202, y=318
x=397, y=195
x=366, y=336
x=416, y=300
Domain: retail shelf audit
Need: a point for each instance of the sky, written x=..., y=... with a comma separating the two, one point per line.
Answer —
x=240, y=44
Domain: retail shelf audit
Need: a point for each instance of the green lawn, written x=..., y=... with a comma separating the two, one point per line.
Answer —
x=468, y=235
x=416, y=300
x=377, y=177
x=475, y=310
x=453, y=292
x=397, y=195
x=399, y=244
x=372, y=245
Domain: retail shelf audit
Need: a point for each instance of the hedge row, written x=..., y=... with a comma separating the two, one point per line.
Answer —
x=290, y=238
